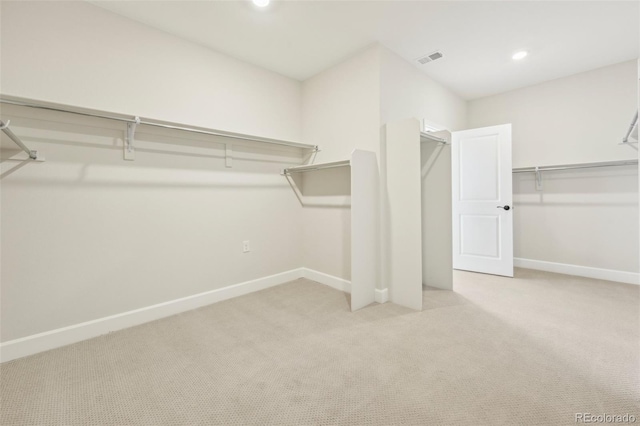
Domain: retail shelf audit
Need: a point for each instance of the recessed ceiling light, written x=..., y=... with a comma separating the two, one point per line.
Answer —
x=520, y=55
x=261, y=3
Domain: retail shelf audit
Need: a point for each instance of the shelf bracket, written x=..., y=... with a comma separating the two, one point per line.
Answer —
x=538, y=179
x=626, y=140
x=228, y=155
x=33, y=154
x=129, y=149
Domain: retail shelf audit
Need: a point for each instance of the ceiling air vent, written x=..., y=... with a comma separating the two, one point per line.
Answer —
x=429, y=58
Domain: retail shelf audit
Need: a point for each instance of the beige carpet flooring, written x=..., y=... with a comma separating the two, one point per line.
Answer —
x=533, y=350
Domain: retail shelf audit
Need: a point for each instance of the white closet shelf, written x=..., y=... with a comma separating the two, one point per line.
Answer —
x=133, y=121
x=319, y=166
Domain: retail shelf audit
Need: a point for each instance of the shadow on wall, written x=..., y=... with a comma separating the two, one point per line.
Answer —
x=429, y=154
x=327, y=182
x=67, y=166
x=325, y=188
x=166, y=148
x=584, y=217
x=86, y=150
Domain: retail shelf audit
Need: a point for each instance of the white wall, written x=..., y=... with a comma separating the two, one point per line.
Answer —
x=408, y=92
x=340, y=112
x=345, y=108
x=437, y=214
x=575, y=119
x=588, y=217
x=86, y=234
x=341, y=106
x=75, y=53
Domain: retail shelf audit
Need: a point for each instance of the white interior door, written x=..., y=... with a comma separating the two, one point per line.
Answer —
x=482, y=200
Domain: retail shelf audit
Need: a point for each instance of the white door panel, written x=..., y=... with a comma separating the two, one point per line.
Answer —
x=479, y=235
x=482, y=222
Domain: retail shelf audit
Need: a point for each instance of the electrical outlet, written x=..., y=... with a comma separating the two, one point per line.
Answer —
x=245, y=247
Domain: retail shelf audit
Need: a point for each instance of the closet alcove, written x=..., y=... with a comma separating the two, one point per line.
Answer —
x=351, y=184
x=416, y=212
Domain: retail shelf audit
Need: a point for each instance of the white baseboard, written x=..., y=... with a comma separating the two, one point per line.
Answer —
x=40, y=342
x=326, y=279
x=52, y=339
x=581, y=271
x=382, y=296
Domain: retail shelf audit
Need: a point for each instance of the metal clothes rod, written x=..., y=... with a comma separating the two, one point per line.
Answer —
x=320, y=166
x=433, y=138
x=576, y=166
x=634, y=124
x=154, y=123
x=5, y=128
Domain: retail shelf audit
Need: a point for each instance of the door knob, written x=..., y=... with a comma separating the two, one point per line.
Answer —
x=504, y=207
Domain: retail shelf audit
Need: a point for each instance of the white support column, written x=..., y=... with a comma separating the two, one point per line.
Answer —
x=403, y=230
x=365, y=228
